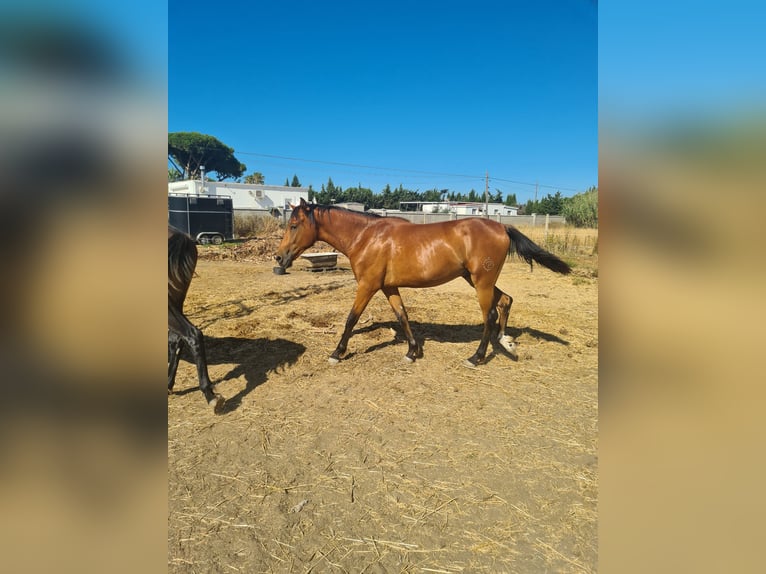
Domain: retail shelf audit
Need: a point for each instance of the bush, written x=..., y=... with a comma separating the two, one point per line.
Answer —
x=250, y=225
x=581, y=210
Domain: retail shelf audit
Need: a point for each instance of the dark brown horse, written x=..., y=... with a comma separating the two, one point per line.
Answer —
x=182, y=260
x=390, y=252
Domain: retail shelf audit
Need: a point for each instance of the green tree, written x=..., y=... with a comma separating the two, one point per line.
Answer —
x=550, y=204
x=431, y=195
x=174, y=174
x=510, y=199
x=386, y=199
x=331, y=190
x=190, y=150
x=295, y=182
x=255, y=177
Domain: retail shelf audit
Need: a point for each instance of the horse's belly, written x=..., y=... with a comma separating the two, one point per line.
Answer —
x=417, y=274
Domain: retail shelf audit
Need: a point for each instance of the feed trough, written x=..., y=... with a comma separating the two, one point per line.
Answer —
x=321, y=261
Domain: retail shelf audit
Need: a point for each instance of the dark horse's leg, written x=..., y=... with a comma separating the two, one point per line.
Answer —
x=363, y=296
x=503, y=306
x=488, y=299
x=174, y=353
x=395, y=300
x=192, y=337
x=504, y=302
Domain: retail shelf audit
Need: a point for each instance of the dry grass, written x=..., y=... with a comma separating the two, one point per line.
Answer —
x=250, y=226
x=428, y=467
x=565, y=241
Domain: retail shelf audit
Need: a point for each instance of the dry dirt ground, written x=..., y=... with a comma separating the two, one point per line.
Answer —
x=375, y=465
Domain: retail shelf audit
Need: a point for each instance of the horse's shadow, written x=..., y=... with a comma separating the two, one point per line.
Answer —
x=443, y=333
x=254, y=359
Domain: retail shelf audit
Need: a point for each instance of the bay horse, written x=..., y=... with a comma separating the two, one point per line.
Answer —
x=387, y=253
x=182, y=261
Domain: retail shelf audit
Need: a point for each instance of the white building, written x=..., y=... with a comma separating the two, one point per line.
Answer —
x=459, y=208
x=245, y=196
x=351, y=205
x=478, y=208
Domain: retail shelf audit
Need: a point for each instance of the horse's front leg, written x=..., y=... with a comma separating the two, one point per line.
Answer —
x=174, y=352
x=363, y=296
x=395, y=300
x=193, y=339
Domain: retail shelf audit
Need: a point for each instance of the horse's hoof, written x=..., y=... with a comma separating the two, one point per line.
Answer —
x=333, y=361
x=217, y=404
x=408, y=360
x=508, y=344
x=469, y=364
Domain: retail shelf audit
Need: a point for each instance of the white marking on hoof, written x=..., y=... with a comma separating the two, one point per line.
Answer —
x=333, y=361
x=408, y=359
x=469, y=364
x=507, y=343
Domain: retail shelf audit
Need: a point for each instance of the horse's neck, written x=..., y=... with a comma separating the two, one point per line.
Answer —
x=340, y=229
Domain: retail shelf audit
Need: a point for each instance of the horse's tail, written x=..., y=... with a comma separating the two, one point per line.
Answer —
x=529, y=251
x=182, y=260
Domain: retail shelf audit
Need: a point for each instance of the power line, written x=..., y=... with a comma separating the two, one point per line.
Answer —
x=402, y=170
x=360, y=165
x=557, y=187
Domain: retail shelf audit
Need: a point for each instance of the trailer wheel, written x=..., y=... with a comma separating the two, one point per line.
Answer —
x=217, y=240
x=204, y=240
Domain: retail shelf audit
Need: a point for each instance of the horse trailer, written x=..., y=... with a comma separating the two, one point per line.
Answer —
x=207, y=218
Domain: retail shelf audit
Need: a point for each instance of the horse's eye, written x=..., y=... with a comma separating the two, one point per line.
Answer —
x=293, y=227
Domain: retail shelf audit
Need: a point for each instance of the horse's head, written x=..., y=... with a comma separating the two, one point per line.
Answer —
x=301, y=233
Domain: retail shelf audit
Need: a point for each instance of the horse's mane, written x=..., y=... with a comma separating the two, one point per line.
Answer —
x=333, y=208
x=182, y=260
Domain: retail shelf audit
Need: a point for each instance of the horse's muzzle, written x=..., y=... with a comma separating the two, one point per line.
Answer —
x=284, y=263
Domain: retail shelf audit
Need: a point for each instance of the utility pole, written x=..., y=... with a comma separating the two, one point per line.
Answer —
x=486, y=195
x=535, y=192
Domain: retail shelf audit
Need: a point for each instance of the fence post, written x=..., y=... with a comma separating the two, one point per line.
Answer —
x=547, y=220
x=534, y=218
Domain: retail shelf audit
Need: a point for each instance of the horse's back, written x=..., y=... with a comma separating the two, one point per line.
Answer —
x=468, y=231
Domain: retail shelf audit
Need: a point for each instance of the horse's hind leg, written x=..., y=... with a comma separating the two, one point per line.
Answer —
x=504, y=302
x=192, y=337
x=488, y=299
x=395, y=300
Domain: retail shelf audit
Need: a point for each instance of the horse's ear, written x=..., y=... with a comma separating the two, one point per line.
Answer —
x=303, y=202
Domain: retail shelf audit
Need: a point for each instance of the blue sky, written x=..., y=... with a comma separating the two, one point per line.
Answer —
x=423, y=94
x=661, y=61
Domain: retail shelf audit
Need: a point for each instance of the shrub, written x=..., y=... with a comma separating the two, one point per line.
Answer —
x=581, y=210
x=251, y=225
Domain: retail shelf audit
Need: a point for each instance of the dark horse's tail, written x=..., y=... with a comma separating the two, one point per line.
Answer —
x=182, y=260
x=529, y=251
